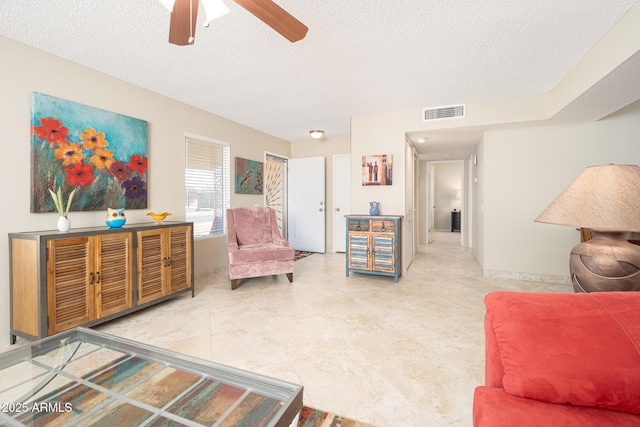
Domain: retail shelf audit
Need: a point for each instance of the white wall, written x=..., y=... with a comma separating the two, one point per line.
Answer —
x=25, y=69
x=373, y=135
x=522, y=171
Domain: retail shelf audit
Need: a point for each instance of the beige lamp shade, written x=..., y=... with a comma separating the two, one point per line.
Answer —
x=605, y=198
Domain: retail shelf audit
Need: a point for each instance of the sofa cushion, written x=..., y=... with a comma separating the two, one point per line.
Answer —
x=581, y=349
x=493, y=407
x=261, y=252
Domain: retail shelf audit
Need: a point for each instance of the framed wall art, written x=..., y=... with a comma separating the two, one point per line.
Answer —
x=377, y=169
x=103, y=155
x=248, y=176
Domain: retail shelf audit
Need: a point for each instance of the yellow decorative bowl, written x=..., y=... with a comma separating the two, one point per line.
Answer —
x=158, y=217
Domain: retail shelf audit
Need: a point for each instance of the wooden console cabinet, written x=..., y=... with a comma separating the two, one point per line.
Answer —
x=374, y=245
x=91, y=275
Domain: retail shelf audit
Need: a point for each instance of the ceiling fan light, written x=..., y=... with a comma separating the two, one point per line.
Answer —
x=213, y=9
x=168, y=4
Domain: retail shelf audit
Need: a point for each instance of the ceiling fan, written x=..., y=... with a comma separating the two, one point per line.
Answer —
x=184, y=14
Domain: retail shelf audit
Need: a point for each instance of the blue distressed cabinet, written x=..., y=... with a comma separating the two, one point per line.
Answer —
x=374, y=245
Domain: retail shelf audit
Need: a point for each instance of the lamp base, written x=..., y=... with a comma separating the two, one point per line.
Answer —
x=605, y=263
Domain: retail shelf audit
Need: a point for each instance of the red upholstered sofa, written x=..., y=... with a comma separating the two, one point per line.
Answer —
x=560, y=359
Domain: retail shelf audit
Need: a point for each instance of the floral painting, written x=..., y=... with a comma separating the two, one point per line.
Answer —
x=377, y=169
x=103, y=155
x=248, y=176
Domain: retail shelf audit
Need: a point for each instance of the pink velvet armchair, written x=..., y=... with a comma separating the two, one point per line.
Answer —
x=256, y=246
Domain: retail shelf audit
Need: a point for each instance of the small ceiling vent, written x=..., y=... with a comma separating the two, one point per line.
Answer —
x=441, y=113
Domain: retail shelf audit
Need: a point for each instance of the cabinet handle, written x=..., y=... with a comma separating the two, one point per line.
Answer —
x=98, y=275
x=169, y=260
x=92, y=278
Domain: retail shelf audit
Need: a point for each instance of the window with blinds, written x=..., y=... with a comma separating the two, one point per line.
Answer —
x=207, y=186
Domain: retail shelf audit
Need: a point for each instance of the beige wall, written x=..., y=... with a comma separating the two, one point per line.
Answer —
x=520, y=171
x=26, y=69
x=525, y=170
x=326, y=148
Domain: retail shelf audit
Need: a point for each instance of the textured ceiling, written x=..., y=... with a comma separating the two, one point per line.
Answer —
x=359, y=57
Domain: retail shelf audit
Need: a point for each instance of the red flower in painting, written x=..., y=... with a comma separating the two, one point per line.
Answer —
x=119, y=170
x=138, y=163
x=51, y=130
x=79, y=174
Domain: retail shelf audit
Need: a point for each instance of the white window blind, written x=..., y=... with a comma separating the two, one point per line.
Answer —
x=207, y=186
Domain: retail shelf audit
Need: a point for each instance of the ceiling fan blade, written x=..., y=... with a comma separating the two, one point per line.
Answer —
x=276, y=17
x=182, y=28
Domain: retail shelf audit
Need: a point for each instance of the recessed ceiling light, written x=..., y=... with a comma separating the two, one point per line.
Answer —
x=422, y=140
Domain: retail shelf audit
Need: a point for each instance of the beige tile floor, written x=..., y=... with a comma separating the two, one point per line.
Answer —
x=391, y=354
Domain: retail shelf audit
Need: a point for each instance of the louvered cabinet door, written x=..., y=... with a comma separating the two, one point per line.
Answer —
x=113, y=264
x=180, y=259
x=383, y=253
x=70, y=294
x=152, y=260
x=358, y=256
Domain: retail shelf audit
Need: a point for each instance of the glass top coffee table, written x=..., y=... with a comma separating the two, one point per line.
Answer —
x=84, y=377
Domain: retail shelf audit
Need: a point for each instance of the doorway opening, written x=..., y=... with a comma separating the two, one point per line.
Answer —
x=446, y=195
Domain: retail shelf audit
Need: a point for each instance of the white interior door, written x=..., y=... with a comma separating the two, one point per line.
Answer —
x=306, y=204
x=341, y=200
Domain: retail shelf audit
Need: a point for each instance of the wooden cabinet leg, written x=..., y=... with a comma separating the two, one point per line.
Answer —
x=290, y=277
x=234, y=283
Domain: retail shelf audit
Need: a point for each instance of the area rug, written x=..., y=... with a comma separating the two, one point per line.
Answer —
x=301, y=254
x=311, y=417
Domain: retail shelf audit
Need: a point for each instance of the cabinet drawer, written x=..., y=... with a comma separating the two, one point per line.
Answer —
x=382, y=226
x=358, y=224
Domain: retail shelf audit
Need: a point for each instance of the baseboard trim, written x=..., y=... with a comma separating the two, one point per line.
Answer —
x=528, y=277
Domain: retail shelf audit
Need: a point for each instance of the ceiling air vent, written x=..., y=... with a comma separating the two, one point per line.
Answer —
x=441, y=113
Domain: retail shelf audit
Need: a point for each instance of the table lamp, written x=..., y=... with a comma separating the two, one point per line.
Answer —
x=605, y=199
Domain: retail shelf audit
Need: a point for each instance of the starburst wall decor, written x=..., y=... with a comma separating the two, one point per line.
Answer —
x=103, y=155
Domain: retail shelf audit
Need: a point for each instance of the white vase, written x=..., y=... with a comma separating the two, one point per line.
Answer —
x=63, y=224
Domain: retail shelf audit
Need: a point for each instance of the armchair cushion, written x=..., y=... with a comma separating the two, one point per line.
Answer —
x=260, y=252
x=255, y=226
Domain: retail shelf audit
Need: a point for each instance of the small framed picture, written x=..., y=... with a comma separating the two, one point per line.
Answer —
x=377, y=169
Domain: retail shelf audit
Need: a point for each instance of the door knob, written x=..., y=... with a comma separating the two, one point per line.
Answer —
x=338, y=209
